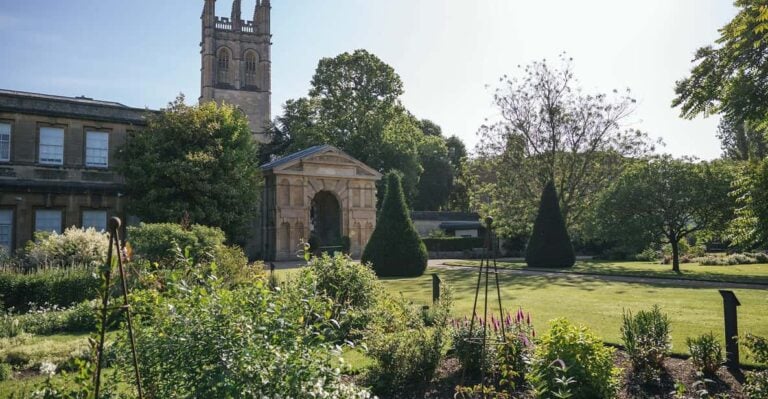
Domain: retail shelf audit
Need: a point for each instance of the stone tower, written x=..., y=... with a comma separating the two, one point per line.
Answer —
x=236, y=62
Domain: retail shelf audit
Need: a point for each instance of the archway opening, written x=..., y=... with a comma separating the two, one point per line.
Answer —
x=325, y=214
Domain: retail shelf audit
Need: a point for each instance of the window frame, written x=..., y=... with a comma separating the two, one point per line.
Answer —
x=60, y=230
x=11, y=225
x=10, y=139
x=40, y=144
x=83, y=212
x=89, y=164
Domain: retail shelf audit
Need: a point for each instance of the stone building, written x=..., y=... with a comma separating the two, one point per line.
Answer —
x=236, y=62
x=319, y=192
x=57, y=156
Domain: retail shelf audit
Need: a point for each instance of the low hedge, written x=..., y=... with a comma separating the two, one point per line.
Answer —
x=61, y=287
x=449, y=244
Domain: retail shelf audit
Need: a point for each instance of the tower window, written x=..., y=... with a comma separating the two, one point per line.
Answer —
x=5, y=142
x=223, y=66
x=251, y=65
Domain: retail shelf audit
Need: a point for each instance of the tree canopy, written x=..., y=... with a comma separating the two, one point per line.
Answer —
x=550, y=130
x=731, y=76
x=665, y=200
x=194, y=162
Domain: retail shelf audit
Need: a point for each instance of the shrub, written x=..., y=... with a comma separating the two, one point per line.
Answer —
x=50, y=320
x=17, y=359
x=209, y=342
x=756, y=385
x=649, y=255
x=405, y=351
x=6, y=372
x=59, y=287
x=395, y=248
x=646, y=341
x=729, y=260
x=468, y=348
x=549, y=245
x=75, y=247
x=160, y=242
x=706, y=353
x=586, y=360
x=453, y=244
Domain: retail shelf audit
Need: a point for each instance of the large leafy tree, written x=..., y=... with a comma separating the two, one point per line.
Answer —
x=550, y=130
x=436, y=182
x=197, y=162
x=731, y=76
x=740, y=140
x=665, y=200
x=353, y=104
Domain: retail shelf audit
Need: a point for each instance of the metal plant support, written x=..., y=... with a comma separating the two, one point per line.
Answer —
x=113, y=226
x=487, y=267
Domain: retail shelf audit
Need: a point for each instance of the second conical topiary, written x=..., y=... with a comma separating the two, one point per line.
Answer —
x=395, y=248
x=549, y=245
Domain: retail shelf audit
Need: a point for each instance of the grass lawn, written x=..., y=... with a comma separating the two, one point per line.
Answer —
x=597, y=304
x=737, y=273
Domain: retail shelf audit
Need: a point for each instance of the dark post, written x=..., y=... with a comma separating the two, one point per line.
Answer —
x=730, y=302
x=435, y=288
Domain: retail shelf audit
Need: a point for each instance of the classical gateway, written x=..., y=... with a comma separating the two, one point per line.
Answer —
x=57, y=155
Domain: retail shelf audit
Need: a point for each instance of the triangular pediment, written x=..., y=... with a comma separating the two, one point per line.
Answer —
x=320, y=159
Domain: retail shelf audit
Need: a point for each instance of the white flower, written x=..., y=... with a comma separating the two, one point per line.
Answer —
x=47, y=369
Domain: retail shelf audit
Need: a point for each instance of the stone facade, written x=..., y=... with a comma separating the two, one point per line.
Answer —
x=236, y=62
x=315, y=192
x=73, y=188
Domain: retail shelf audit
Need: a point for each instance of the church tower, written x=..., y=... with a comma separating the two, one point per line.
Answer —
x=236, y=62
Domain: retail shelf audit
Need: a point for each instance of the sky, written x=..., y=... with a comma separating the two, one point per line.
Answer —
x=450, y=54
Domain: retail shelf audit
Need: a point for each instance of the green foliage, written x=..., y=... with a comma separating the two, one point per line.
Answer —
x=730, y=77
x=453, y=243
x=160, y=242
x=354, y=105
x=646, y=341
x=583, y=358
x=545, y=134
x=436, y=183
x=706, y=353
x=75, y=247
x=6, y=372
x=395, y=248
x=756, y=386
x=200, y=162
x=49, y=320
x=253, y=342
x=735, y=259
x=665, y=200
x=406, y=351
x=549, y=245
x=748, y=229
x=59, y=287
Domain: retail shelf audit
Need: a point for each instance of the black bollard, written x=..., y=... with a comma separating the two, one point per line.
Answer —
x=730, y=302
x=435, y=288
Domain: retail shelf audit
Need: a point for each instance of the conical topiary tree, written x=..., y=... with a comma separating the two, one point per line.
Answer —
x=395, y=248
x=549, y=245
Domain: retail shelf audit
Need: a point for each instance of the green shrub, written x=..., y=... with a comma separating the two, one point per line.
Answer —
x=646, y=341
x=50, y=320
x=756, y=385
x=549, y=245
x=706, y=353
x=59, y=287
x=405, y=351
x=587, y=361
x=453, y=244
x=161, y=242
x=468, y=349
x=6, y=372
x=729, y=260
x=75, y=247
x=206, y=341
x=649, y=255
x=17, y=359
x=395, y=248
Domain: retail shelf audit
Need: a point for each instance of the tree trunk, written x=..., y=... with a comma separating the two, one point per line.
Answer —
x=675, y=255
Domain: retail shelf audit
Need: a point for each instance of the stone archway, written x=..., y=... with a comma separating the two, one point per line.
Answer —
x=325, y=215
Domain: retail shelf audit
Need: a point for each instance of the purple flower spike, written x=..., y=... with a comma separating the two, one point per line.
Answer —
x=528, y=319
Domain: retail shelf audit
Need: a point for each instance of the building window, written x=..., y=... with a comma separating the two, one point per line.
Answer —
x=223, y=66
x=51, y=145
x=96, y=149
x=95, y=219
x=251, y=63
x=48, y=220
x=5, y=142
x=6, y=228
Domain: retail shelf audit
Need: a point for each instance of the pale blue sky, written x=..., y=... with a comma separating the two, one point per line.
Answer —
x=144, y=52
